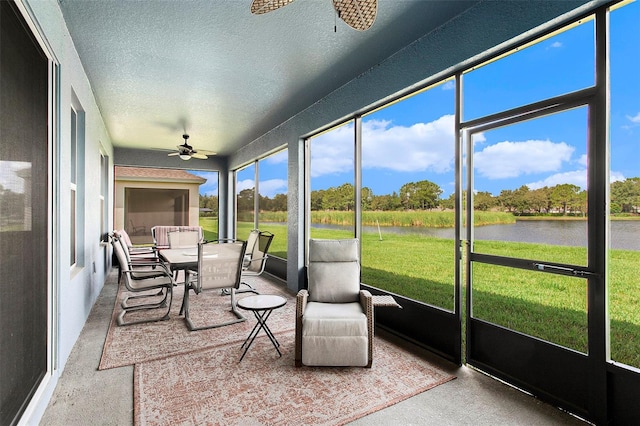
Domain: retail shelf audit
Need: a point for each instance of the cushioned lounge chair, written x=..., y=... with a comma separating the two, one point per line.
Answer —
x=334, y=317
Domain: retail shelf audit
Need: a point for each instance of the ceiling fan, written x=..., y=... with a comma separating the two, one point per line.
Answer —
x=358, y=14
x=186, y=151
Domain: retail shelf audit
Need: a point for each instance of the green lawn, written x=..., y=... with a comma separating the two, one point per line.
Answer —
x=551, y=307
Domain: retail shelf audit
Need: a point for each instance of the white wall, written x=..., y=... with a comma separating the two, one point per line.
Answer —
x=77, y=289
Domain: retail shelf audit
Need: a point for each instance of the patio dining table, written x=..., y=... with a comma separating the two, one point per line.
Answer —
x=182, y=258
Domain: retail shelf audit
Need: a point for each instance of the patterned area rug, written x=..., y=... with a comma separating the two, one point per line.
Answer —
x=144, y=342
x=210, y=386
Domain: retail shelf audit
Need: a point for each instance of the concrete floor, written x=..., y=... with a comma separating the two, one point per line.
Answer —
x=86, y=396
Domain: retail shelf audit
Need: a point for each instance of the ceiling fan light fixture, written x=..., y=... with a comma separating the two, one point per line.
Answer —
x=185, y=157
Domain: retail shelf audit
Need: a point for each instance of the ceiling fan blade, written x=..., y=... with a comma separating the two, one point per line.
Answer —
x=199, y=156
x=258, y=7
x=204, y=151
x=358, y=14
x=171, y=154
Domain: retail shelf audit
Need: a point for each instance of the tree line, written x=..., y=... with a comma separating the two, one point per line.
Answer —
x=425, y=195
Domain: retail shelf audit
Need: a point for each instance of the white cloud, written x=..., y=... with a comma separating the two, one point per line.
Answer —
x=278, y=158
x=449, y=85
x=271, y=187
x=210, y=187
x=419, y=147
x=616, y=177
x=416, y=148
x=583, y=160
x=332, y=152
x=556, y=44
x=506, y=159
x=575, y=177
x=635, y=119
x=245, y=184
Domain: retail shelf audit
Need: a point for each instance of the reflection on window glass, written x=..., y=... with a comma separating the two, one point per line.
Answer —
x=523, y=77
x=530, y=189
x=553, y=307
x=624, y=255
x=273, y=200
x=407, y=197
x=245, y=204
x=15, y=196
x=332, y=183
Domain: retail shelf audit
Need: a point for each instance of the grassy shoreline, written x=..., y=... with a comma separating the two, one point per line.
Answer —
x=422, y=219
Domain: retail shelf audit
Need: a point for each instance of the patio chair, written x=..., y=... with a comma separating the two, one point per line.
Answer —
x=183, y=239
x=136, y=251
x=135, y=259
x=334, y=317
x=219, y=267
x=160, y=233
x=142, y=279
x=255, y=260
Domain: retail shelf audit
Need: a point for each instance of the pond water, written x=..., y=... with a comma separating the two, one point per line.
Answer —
x=625, y=235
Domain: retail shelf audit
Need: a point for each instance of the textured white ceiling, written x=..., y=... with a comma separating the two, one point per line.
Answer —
x=226, y=76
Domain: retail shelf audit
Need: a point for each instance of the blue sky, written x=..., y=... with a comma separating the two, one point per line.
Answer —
x=412, y=140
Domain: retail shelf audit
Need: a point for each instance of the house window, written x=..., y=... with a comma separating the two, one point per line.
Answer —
x=73, y=211
x=104, y=189
x=76, y=184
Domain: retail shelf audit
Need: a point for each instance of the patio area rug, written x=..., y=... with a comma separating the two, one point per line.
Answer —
x=210, y=386
x=144, y=342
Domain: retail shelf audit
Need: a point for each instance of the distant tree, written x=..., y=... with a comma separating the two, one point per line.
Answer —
x=448, y=203
x=209, y=202
x=245, y=200
x=386, y=202
x=522, y=199
x=367, y=198
x=420, y=195
x=538, y=200
x=564, y=196
x=279, y=203
x=316, y=200
x=484, y=201
x=506, y=200
x=626, y=195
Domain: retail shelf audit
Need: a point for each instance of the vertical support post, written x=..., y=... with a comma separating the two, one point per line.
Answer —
x=458, y=217
x=256, y=195
x=357, y=168
x=296, y=211
x=598, y=226
x=226, y=200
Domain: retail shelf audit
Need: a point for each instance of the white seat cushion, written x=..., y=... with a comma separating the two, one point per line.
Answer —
x=334, y=334
x=334, y=319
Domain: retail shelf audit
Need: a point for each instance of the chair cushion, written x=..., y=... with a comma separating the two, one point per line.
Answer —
x=334, y=282
x=334, y=319
x=334, y=335
x=333, y=250
x=334, y=271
